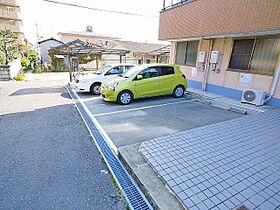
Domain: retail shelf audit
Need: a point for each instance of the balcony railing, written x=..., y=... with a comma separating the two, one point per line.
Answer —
x=9, y=3
x=13, y=15
x=12, y=28
x=168, y=4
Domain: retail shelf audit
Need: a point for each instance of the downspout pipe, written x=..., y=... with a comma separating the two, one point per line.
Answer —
x=274, y=84
x=206, y=73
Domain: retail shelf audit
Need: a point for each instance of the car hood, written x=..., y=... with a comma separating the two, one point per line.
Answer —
x=88, y=76
x=114, y=80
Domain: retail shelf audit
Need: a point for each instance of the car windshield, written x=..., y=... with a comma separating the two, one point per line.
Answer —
x=132, y=72
x=103, y=69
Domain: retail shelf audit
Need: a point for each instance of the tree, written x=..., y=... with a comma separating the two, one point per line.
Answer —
x=8, y=46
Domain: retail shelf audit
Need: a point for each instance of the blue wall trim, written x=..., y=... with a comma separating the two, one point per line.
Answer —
x=228, y=92
x=194, y=84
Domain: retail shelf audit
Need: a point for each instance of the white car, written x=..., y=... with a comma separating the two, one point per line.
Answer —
x=92, y=82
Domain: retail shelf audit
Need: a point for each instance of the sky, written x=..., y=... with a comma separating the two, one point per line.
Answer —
x=53, y=18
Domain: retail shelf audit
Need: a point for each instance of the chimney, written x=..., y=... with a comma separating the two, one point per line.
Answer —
x=89, y=29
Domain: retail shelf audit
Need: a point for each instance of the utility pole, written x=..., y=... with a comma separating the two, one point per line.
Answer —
x=37, y=43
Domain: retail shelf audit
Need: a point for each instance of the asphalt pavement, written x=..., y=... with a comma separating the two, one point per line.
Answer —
x=48, y=159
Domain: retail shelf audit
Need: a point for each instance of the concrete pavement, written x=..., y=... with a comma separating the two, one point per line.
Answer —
x=48, y=160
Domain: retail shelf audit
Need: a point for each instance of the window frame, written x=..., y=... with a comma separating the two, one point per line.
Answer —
x=160, y=71
x=185, y=53
x=260, y=72
x=185, y=61
x=140, y=73
x=120, y=67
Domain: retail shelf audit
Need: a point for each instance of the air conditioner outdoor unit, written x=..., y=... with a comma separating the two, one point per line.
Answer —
x=256, y=97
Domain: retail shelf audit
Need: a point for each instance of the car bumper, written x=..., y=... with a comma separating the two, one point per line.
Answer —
x=81, y=87
x=109, y=95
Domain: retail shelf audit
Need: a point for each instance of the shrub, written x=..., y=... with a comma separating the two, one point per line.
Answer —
x=19, y=76
x=24, y=62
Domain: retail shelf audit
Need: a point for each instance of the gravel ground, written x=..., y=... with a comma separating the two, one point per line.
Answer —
x=48, y=160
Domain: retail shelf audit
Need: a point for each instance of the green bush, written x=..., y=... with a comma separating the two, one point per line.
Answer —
x=20, y=76
x=24, y=63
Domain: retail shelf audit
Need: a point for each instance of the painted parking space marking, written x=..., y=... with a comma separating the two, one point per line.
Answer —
x=145, y=107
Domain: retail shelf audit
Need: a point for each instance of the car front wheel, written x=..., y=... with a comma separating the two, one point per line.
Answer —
x=95, y=89
x=178, y=91
x=125, y=98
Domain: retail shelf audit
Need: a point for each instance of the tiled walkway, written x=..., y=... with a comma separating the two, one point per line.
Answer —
x=222, y=166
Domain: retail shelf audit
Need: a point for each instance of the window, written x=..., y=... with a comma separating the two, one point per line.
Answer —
x=166, y=70
x=115, y=70
x=191, y=53
x=255, y=55
x=140, y=61
x=148, y=61
x=186, y=53
x=128, y=67
x=149, y=73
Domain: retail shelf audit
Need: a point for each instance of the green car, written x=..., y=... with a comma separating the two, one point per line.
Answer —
x=145, y=81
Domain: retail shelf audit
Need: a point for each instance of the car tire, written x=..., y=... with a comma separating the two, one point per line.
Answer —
x=179, y=91
x=125, y=97
x=95, y=89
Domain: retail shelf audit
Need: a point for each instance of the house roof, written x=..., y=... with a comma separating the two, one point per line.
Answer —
x=138, y=47
x=45, y=40
x=88, y=34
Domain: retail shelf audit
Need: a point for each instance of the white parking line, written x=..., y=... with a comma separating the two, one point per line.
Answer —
x=145, y=107
x=96, y=123
x=89, y=99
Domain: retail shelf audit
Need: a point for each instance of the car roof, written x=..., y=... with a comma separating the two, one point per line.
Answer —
x=157, y=64
x=121, y=64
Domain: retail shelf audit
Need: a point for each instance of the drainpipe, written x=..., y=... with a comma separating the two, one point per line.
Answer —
x=274, y=84
x=206, y=73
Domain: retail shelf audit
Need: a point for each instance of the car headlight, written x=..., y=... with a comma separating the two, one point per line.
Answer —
x=82, y=80
x=112, y=86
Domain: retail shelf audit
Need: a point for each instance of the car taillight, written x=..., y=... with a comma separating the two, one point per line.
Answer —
x=183, y=76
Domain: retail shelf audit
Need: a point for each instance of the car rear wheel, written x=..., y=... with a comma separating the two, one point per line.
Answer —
x=178, y=91
x=95, y=89
x=125, y=97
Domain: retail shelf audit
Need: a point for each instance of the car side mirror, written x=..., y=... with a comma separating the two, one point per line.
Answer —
x=139, y=77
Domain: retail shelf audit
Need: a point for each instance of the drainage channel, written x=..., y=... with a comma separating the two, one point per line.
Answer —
x=133, y=195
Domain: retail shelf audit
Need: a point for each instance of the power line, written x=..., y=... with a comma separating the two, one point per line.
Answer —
x=98, y=9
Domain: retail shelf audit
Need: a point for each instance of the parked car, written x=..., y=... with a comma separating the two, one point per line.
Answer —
x=145, y=81
x=92, y=82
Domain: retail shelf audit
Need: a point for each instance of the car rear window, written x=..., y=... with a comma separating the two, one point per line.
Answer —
x=166, y=70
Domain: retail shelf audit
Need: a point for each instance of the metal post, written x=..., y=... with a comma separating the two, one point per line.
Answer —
x=120, y=58
x=97, y=62
x=69, y=67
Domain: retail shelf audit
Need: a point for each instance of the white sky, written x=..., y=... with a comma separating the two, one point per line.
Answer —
x=53, y=18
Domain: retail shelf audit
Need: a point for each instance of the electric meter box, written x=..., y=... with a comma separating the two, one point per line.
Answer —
x=215, y=57
x=201, y=57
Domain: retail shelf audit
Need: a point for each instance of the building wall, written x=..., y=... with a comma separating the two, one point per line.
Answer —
x=10, y=19
x=225, y=82
x=44, y=47
x=199, y=18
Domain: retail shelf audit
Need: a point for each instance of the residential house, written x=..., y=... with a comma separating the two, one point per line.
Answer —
x=44, y=46
x=10, y=19
x=225, y=46
x=140, y=52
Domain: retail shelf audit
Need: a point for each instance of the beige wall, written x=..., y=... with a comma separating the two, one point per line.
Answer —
x=204, y=18
x=225, y=77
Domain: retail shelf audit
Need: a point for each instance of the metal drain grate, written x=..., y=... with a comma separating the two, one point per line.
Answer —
x=133, y=195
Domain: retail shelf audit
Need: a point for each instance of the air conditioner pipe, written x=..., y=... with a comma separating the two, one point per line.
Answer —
x=274, y=84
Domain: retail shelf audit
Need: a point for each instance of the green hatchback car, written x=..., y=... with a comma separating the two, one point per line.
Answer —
x=145, y=81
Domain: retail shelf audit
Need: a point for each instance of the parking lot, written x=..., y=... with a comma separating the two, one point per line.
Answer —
x=149, y=118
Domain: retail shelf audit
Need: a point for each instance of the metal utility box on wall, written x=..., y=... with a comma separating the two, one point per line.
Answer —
x=215, y=57
x=201, y=57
